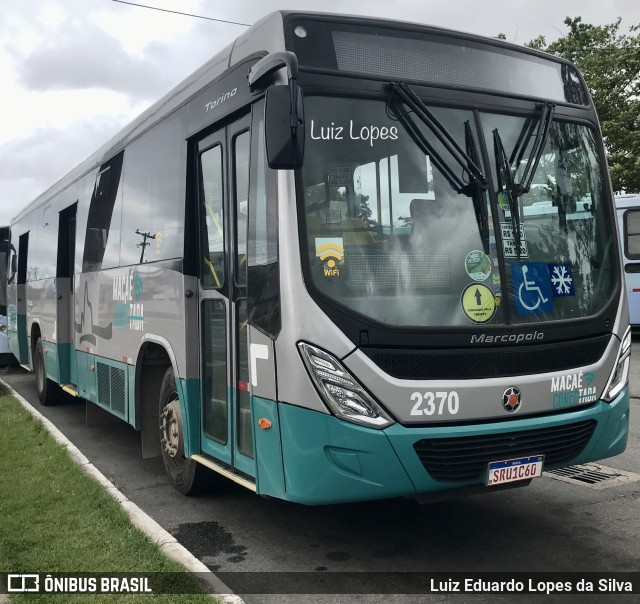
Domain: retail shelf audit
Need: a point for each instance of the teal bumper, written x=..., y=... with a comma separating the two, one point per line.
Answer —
x=327, y=460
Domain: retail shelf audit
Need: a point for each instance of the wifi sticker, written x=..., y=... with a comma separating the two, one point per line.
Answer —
x=330, y=250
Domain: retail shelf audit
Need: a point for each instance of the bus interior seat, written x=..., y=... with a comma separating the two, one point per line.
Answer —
x=356, y=232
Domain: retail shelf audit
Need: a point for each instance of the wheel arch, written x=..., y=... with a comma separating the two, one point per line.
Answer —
x=34, y=333
x=155, y=356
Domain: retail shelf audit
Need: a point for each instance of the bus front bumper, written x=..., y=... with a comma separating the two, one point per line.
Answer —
x=328, y=460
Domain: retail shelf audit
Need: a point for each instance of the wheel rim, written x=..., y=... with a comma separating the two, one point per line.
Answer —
x=172, y=441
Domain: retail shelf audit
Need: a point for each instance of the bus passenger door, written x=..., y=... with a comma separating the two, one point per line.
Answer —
x=20, y=348
x=65, y=269
x=214, y=305
x=223, y=182
x=238, y=138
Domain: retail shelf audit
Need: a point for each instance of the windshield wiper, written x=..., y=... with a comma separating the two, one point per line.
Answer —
x=469, y=160
x=477, y=190
x=456, y=183
x=506, y=181
x=507, y=184
x=544, y=127
x=413, y=101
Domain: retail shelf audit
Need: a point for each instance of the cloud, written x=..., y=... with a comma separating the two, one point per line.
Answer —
x=82, y=56
x=30, y=165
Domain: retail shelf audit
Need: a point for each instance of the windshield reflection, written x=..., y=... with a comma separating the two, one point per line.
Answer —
x=389, y=237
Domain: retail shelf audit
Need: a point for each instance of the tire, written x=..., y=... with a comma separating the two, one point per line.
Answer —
x=185, y=475
x=48, y=390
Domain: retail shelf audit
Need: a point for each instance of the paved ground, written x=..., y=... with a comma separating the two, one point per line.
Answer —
x=548, y=526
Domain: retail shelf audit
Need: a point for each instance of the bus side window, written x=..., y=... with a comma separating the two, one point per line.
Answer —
x=102, y=242
x=212, y=217
x=241, y=189
x=263, y=268
x=632, y=234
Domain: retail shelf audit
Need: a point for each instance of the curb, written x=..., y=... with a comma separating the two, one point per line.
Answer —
x=166, y=542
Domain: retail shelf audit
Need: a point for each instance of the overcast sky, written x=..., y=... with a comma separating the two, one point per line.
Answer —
x=73, y=72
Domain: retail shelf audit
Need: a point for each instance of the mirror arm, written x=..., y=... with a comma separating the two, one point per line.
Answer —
x=270, y=64
x=293, y=87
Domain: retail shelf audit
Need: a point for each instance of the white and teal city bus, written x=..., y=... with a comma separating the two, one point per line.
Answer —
x=346, y=259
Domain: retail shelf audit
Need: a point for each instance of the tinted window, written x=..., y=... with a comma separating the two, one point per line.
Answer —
x=23, y=253
x=153, y=214
x=241, y=179
x=44, y=245
x=214, y=393
x=212, y=217
x=567, y=266
x=632, y=234
x=264, y=276
x=103, y=222
x=387, y=234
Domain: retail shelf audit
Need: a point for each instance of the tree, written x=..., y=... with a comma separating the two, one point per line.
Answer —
x=610, y=62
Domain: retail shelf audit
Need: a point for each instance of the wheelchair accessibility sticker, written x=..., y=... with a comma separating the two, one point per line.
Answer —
x=531, y=288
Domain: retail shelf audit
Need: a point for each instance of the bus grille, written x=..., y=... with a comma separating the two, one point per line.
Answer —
x=488, y=362
x=465, y=459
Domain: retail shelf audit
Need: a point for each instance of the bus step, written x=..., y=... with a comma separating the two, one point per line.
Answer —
x=70, y=389
x=212, y=465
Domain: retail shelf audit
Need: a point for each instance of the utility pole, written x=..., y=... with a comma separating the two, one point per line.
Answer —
x=144, y=243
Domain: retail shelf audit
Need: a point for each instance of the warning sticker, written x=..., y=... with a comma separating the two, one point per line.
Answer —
x=478, y=303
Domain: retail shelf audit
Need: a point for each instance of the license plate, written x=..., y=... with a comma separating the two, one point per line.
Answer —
x=512, y=470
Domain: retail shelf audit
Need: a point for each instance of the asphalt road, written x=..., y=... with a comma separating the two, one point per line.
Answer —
x=549, y=526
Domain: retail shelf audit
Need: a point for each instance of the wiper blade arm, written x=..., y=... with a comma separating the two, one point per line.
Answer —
x=479, y=204
x=544, y=126
x=439, y=130
x=506, y=182
x=456, y=183
x=521, y=146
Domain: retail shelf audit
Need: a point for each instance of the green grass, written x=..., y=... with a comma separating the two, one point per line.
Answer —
x=54, y=518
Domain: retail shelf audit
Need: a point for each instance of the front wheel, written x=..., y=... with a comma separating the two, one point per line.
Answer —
x=48, y=391
x=185, y=475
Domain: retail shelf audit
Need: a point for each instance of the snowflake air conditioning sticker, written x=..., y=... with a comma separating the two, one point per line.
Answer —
x=561, y=280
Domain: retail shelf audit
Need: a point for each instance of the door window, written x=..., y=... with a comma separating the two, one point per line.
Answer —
x=212, y=221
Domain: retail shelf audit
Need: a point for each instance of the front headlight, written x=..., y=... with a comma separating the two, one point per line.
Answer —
x=341, y=393
x=620, y=374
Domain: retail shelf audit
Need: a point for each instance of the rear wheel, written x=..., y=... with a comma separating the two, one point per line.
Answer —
x=48, y=391
x=185, y=475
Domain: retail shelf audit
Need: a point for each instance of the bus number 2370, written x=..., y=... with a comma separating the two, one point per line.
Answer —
x=435, y=403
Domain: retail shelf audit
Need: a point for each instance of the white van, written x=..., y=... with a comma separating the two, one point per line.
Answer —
x=628, y=214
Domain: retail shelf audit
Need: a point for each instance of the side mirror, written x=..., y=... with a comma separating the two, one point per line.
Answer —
x=284, y=112
x=284, y=127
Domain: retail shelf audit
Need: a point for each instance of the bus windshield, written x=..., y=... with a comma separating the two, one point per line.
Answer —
x=390, y=236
